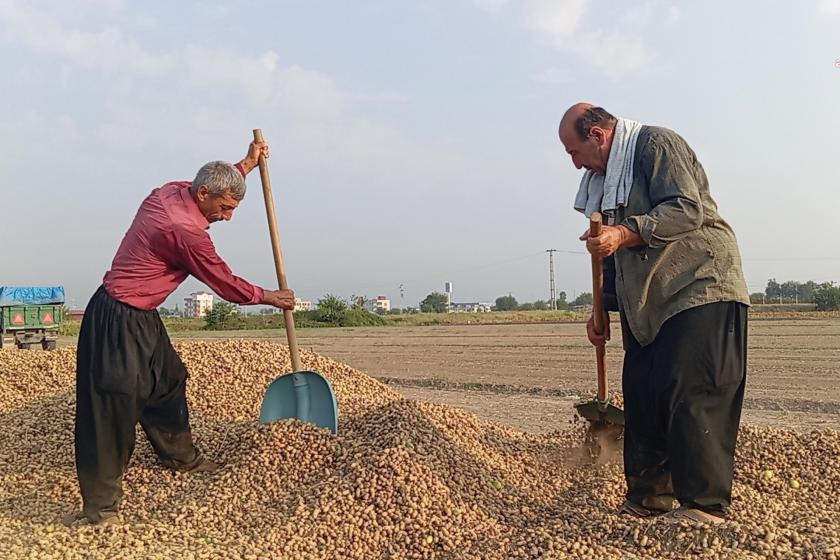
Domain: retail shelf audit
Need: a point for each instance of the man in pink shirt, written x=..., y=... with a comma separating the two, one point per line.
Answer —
x=126, y=368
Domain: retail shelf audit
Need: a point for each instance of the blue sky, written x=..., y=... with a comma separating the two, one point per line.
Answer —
x=413, y=142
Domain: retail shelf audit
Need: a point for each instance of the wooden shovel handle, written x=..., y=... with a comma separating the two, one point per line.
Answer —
x=288, y=314
x=595, y=222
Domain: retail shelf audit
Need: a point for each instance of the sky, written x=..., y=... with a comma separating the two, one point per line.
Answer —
x=413, y=142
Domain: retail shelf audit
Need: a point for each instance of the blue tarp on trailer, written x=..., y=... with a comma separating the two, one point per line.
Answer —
x=11, y=295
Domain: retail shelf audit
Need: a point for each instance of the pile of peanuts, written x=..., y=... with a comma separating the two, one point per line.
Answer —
x=403, y=479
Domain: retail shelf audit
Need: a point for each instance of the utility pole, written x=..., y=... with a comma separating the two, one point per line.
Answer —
x=553, y=299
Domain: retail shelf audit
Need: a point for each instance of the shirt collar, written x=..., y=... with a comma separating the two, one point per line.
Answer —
x=192, y=207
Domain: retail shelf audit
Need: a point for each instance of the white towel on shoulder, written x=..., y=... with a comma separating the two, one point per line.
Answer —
x=605, y=193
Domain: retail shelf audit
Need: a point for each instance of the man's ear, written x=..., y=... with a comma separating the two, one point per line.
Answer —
x=598, y=134
x=202, y=194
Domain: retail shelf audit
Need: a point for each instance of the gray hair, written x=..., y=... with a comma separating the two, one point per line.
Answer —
x=594, y=116
x=220, y=177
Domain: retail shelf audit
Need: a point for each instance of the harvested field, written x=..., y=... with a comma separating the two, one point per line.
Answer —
x=404, y=479
x=530, y=375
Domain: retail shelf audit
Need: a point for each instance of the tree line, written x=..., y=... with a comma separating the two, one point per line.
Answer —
x=825, y=296
x=335, y=311
x=437, y=302
x=331, y=311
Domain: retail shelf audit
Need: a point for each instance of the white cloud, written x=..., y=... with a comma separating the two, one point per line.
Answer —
x=151, y=98
x=128, y=105
x=560, y=24
x=559, y=19
x=830, y=7
x=612, y=53
x=42, y=32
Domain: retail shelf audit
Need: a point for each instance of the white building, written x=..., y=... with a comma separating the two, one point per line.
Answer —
x=302, y=305
x=198, y=304
x=380, y=304
x=469, y=307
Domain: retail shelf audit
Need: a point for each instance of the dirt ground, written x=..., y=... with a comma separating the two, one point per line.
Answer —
x=530, y=376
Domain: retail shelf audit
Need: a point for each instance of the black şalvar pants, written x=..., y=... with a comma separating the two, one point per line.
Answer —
x=682, y=396
x=126, y=371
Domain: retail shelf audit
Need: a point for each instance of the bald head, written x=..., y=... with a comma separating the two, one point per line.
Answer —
x=587, y=132
x=581, y=117
x=571, y=116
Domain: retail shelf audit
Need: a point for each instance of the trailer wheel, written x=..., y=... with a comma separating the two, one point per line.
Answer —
x=48, y=344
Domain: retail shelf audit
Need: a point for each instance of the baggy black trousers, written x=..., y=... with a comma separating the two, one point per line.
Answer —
x=683, y=395
x=126, y=371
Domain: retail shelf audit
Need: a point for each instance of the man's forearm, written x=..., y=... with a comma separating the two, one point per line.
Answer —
x=246, y=166
x=252, y=158
x=629, y=238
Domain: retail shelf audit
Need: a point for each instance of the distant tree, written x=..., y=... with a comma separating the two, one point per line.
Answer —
x=331, y=309
x=561, y=301
x=773, y=291
x=757, y=297
x=527, y=306
x=806, y=295
x=827, y=297
x=539, y=305
x=506, y=303
x=435, y=302
x=220, y=315
x=176, y=312
x=583, y=299
x=358, y=302
x=790, y=291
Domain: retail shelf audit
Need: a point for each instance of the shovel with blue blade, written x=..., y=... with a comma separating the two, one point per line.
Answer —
x=304, y=395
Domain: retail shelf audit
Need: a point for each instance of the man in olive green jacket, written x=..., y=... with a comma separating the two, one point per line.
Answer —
x=677, y=283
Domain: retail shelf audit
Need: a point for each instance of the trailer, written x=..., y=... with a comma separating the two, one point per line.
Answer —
x=31, y=316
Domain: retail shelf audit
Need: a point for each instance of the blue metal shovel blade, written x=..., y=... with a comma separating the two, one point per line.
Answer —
x=305, y=395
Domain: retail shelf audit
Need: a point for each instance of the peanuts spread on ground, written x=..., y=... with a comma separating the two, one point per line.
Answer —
x=403, y=479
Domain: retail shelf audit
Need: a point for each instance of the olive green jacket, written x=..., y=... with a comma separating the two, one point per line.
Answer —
x=690, y=256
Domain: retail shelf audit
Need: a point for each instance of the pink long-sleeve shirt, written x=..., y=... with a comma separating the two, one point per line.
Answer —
x=168, y=241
